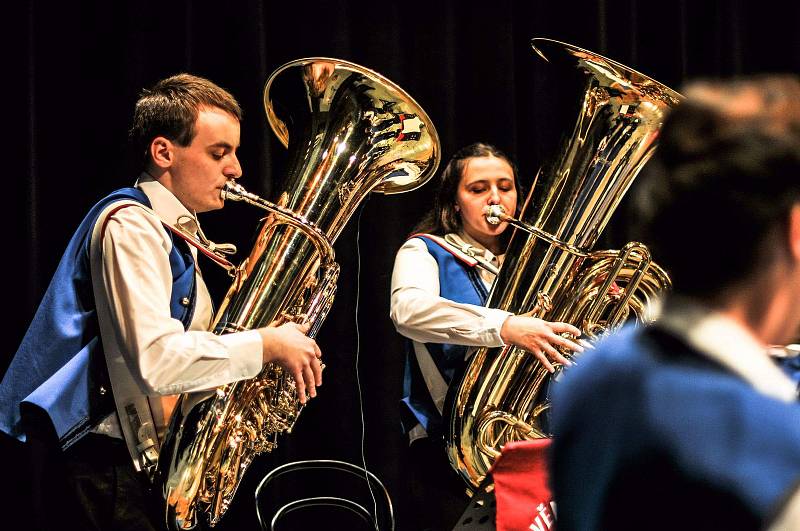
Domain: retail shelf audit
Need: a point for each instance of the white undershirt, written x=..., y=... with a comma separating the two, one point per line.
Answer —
x=421, y=314
x=133, y=307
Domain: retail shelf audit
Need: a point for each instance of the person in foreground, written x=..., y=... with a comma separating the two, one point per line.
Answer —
x=440, y=283
x=688, y=423
x=123, y=326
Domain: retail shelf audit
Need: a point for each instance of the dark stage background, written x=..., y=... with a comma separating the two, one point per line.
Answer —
x=73, y=71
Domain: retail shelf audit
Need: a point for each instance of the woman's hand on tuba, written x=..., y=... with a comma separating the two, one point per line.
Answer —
x=540, y=338
x=290, y=347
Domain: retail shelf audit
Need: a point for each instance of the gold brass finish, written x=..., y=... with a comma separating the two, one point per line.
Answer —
x=550, y=269
x=349, y=132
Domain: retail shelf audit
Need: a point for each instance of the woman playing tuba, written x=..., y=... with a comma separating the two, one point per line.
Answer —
x=441, y=279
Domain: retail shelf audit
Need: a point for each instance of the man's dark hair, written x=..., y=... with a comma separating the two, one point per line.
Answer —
x=170, y=109
x=716, y=197
x=443, y=218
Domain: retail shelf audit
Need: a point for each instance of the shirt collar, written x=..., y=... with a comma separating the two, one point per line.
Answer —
x=722, y=339
x=166, y=205
x=487, y=254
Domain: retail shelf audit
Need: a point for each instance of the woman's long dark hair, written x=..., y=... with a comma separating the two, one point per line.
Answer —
x=443, y=218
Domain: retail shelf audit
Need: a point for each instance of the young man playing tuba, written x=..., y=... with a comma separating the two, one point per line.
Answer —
x=128, y=304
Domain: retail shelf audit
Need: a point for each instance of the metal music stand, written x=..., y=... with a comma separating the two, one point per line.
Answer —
x=481, y=512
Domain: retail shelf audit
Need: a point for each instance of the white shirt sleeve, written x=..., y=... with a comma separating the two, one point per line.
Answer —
x=163, y=357
x=419, y=313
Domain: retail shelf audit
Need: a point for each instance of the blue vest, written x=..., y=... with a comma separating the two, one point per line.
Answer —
x=458, y=282
x=59, y=370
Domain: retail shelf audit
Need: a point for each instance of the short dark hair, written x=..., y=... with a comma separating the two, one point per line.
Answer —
x=443, y=218
x=715, y=200
x=170, y=109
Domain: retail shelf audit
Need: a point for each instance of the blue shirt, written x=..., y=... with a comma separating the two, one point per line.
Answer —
x=651, y=434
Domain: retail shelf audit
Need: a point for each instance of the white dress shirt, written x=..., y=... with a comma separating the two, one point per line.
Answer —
x=421, y=314
x=130, y=251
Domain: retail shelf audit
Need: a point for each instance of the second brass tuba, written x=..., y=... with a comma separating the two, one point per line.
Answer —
x=349, y=132
x=550, y=268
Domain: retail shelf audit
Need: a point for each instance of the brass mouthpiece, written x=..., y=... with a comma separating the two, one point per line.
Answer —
x=494, y=213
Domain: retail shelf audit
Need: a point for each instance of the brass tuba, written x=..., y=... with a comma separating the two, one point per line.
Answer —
x=550, y=268
x=349, y=132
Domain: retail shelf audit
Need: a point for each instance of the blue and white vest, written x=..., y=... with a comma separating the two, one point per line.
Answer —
x=459, y=281
x=59, y=369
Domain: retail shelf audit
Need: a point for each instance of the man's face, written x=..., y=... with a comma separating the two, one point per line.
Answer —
x=200, y=170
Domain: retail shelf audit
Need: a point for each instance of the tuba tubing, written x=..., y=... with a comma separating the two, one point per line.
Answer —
x=634, y=255
x=321, y=299
x=550, y=270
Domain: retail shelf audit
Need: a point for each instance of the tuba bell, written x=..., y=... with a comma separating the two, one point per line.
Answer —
x=349, y=132
x=550, y=269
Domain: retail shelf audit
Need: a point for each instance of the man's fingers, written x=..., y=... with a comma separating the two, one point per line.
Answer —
x=300, y=385
x=310, y=379
x=316, y=365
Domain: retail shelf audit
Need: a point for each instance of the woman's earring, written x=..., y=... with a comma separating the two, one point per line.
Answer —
x=458, y=208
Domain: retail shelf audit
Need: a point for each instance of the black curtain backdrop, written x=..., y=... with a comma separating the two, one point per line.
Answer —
x=73, y=71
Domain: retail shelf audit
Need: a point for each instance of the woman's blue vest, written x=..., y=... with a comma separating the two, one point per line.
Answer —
x=458, y=282
x=59, y=373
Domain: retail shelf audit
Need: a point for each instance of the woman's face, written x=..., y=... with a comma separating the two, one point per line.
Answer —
x=485, y=181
